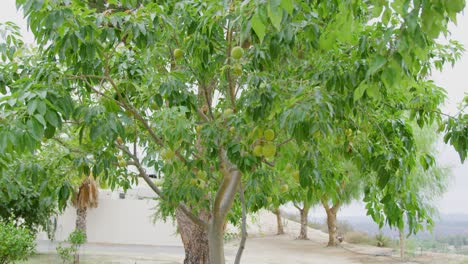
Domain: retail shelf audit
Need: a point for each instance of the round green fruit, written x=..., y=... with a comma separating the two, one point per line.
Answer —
x=120, y=141
x=122, y=163
x=194, y=181
x=178, y=53
x=228, y=112
x=201, y=174
x=232, y=129
x=237, y=52
x=269, y=199
x=296, y=175
x=258, y=151
x=198, y=128
x=269, y=134
x=284, y=188
x=168, y=154
x=269, y=150
x=237, y=70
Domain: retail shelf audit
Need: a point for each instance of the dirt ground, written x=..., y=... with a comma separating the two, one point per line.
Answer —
x=262, y=247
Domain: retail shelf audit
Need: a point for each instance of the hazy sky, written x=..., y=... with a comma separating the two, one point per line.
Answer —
x=454, y=80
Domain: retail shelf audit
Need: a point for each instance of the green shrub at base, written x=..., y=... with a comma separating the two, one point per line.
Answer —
x=16, y=243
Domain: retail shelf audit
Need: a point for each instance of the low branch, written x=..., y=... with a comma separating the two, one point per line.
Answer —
x=144, y=175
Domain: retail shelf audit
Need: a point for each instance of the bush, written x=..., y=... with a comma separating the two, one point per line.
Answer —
x=16, y=243
x=356, y=237
x=75, y=239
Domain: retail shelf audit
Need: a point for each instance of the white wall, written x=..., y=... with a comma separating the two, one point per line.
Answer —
x=120, y=221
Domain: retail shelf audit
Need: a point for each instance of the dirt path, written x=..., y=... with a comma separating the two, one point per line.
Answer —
x=263, y=247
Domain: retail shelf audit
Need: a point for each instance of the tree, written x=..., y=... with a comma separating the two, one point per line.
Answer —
x=86, y=197
x=162, y=75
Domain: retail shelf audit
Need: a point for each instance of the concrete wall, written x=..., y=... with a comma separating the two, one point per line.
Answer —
x=120, y=221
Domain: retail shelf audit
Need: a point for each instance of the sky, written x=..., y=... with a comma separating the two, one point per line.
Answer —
x=454, y=80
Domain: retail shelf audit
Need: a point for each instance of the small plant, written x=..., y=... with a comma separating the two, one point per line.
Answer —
x=68, y=254
x=381, y=240
x=16, y=243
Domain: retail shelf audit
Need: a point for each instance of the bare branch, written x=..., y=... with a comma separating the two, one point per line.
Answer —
x=144, y=175
x=244, y=226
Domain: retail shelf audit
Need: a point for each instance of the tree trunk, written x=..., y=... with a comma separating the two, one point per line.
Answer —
x=331, y=223
x=216, y=241
x=81, y=214
x=402, y=243
x=279, y=222
x=304, y=221
x=194, y=238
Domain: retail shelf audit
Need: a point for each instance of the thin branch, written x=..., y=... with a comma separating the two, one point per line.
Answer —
x=240, y=250
x=144, y=175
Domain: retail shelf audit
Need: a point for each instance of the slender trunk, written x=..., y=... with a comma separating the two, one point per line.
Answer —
x=304, y=222
x=402, y=243
x=244, y=227
x=331, y=223
x=216, y=241
x=194, y=238
x=81, y=214
x=279, y=222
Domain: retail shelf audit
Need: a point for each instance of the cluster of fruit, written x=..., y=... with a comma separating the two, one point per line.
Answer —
x=266, y=147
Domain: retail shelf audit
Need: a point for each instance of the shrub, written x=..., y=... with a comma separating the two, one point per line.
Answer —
x=67, y=253
x=356, y=237
x=16, y=243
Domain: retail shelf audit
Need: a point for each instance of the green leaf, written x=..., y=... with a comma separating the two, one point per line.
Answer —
x=376, y=64
x=52, y=118
x=373, y=91
x=32, y=105
x=258, y=26
x=275, y=14
x=288, y=6
x=359, y=92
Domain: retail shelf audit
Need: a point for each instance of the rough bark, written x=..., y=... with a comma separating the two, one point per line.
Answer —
x=331, y=222
x=402, y=243
x=194, y=238
x=279, y=222
x=304, y=222
x=81, y=214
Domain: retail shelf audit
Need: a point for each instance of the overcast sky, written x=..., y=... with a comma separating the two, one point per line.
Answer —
x=454, y=80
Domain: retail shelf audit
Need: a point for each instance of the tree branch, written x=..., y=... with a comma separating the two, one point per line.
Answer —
x=144, y=175
x=240, y=250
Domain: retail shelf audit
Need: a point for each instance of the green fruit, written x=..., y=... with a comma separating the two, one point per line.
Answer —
x=178, y=53
x=269, y=150
x=228, y=112
x=237, y=70
x=201, y=174
x=168, y=154
x=284, y=188
x=237, y=52
x=269, y=199
x=232, y=129
x=194, y=181
x=258, y=151
x=120, y=141
x=269, y=134
x=296, y=175
x=122, y=163
x=199, y=128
